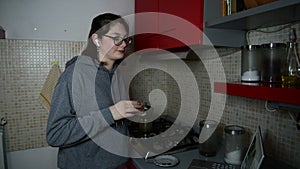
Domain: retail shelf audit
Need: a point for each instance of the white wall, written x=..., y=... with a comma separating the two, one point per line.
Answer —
x=40, y=158
x=56, y=19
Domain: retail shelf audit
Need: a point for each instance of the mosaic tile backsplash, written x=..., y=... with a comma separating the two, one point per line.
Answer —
x=25, y=65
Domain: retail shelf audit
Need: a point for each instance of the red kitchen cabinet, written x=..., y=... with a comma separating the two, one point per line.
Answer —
x=191, y=11
x=145, y=23
x=171, y=31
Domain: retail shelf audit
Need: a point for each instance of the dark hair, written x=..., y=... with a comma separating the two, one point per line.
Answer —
x=101, y=24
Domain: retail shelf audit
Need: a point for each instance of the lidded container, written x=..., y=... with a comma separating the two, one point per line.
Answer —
x=274, y=55
x=235, y=137
x=251, y=63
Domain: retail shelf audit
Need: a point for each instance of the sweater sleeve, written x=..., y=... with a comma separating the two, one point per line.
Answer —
x=64, y=127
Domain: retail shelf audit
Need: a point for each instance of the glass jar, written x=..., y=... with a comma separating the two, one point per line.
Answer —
x=251, y=63
x=273, y=60
x=234, y=144
x=208, y=138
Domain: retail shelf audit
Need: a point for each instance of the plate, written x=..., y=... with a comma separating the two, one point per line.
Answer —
x=166, y=161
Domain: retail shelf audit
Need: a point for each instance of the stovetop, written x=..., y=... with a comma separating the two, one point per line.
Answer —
x=158, y=139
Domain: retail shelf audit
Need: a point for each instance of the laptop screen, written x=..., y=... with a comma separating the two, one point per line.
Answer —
x=255, y=153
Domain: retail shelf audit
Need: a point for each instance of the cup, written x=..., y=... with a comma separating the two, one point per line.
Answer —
x=208, y=138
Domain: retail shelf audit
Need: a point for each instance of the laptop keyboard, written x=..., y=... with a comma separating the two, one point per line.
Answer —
x=222, y=166
x=201, y=164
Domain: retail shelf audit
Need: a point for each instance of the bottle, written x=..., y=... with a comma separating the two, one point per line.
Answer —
x=291, y=74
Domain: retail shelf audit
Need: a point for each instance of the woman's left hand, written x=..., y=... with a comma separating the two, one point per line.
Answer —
x=127, y=108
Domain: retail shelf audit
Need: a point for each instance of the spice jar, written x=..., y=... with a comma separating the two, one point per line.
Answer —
x=234, y=144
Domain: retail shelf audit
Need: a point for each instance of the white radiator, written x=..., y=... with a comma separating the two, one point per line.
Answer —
x=3, y=161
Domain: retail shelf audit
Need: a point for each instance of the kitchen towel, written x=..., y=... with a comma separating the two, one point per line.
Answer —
x=49, y=85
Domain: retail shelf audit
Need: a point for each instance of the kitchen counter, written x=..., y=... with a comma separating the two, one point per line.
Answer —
x=186, y=157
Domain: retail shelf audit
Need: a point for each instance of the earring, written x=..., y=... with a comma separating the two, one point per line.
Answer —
x=97, y=42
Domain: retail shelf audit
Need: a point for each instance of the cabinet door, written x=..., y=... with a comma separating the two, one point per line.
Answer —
x=186, y=11
x=168, y=26
x=145, y=23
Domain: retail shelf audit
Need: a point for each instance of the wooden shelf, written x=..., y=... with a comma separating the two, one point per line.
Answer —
x=260, y=91
x=271, y=14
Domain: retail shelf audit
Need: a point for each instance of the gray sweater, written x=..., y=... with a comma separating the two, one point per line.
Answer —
x=80, y=122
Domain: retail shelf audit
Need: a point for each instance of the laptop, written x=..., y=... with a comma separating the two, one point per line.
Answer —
x=252, y=160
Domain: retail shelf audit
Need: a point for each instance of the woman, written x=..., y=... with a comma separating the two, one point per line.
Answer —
x=85, y=109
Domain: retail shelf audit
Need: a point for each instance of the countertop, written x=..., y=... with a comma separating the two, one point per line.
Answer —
x=186, y=158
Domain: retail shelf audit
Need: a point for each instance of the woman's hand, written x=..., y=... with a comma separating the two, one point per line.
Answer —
x=127, y=108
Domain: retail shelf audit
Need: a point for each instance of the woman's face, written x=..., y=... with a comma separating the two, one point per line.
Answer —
x=108, y=49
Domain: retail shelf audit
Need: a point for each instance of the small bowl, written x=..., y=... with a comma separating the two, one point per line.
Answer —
x=250, y=3
x=254, y=3
x=262, y=2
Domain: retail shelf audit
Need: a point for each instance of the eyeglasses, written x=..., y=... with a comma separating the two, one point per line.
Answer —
x=118, y=40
